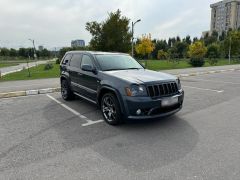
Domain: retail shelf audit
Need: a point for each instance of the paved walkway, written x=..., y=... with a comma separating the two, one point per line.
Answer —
x=11, y=86
x=201, y=69
x=11, y=69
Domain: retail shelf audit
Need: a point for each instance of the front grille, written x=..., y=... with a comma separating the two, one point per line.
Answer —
x=162, y=90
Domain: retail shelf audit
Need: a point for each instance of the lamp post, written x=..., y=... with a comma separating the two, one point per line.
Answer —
x=229, y=52
x=133, y=24
x=34, y=49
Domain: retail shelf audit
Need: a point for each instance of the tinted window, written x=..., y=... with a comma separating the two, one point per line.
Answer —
x=87, y=60
x=76, y=60
x=67, y=59
x=117, y=62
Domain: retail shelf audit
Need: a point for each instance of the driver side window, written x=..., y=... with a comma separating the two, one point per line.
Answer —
x=86, y=60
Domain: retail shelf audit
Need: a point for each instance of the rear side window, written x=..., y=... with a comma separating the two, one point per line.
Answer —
x=86, y=60
x=76, y=60
x=66, y=59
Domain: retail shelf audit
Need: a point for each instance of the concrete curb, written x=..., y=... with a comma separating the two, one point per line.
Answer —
x=58, y=89
x=29, y=92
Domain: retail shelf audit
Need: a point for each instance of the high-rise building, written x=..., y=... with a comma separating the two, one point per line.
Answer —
x=78, y=43
x=40, y=48
x=225, y=15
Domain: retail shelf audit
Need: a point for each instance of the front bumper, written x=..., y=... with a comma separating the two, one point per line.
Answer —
x=151, y=108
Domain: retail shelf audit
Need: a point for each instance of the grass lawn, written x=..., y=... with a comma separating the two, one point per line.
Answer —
x=164, y=64
x=36, y=73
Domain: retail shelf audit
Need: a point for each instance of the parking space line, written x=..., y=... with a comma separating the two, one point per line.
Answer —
x=213, y=90
x=88, y=121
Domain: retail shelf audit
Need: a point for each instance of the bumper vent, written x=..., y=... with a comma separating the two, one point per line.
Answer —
x=162, y=90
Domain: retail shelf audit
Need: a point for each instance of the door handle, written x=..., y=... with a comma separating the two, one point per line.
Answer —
x=80, y=74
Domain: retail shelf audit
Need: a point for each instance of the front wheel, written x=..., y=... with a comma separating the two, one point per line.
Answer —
x=111, y=109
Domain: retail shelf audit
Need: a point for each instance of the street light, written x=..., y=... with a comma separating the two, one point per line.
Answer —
x=34, y=49
x=229, y=51
x=133, y=24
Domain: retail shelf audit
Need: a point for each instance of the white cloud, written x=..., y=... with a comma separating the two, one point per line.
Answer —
x=55, y=23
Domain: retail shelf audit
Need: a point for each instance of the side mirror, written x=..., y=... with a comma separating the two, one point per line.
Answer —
x=88, y=68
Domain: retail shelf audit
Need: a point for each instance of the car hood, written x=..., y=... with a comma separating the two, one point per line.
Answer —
x=141, y=76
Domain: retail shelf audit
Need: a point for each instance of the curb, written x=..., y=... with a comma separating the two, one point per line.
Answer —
x=29, y=92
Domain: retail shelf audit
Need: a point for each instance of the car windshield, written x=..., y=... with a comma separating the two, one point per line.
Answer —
x=117, y=62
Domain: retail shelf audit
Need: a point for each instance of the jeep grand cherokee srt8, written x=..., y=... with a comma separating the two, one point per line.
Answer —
x=120, y=86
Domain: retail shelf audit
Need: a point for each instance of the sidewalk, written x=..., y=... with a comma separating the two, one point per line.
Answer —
x=200, y=69
x=11, y=69
x=11, y=86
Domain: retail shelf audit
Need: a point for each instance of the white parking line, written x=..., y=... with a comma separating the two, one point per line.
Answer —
x=213, y=90
x=88, y=121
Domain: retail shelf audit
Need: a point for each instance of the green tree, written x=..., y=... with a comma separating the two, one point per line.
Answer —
x=162, y=55
x=4, y=52
x=213, y=52
x=13, y=52
x=111, y=35
x=159, y=45
x=232, y=40
x=197, y=52
x=146, y=46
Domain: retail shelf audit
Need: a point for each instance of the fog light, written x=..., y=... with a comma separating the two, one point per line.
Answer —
x=138, y=112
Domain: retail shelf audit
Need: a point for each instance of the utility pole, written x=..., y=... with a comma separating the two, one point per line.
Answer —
x=133, y=24
x=230, y=48
x=34, y=48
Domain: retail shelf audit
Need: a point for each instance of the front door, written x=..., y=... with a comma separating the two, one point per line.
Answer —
x=88, y=80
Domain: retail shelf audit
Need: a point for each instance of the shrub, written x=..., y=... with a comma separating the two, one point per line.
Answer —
x=48, y=66
x=57, y=61
x=197, y=52
x=197, y=62
x=162, y=55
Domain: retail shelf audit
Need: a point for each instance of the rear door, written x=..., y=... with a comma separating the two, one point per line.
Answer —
x=75, y=71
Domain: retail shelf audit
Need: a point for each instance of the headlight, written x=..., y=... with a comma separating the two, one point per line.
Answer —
x=179, y=84
x=136, y=90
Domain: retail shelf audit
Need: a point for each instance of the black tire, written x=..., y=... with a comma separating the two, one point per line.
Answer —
x=110, y=109
x=66, y=91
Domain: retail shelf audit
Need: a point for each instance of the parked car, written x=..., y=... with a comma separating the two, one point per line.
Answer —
x=120, y=86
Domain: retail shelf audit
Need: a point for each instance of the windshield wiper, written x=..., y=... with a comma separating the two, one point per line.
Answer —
x=113, y=69
x=133, y=68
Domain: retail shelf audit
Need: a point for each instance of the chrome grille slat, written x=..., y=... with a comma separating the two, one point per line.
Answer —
x=162, y=90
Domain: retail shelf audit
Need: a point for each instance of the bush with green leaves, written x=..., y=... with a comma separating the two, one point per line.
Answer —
x=196, y=53
x=162, y=55
x=48, y=66
x=57, y=61
x=197, y=62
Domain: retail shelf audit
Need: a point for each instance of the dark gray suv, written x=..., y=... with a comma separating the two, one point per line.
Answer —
x=120, y=86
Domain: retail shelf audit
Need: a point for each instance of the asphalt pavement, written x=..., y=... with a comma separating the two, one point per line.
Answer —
x=44, y=137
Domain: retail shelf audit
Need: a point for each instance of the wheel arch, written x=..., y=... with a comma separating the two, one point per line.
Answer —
x=106, y=89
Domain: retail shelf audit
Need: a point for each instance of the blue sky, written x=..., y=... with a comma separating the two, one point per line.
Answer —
x=54, y=23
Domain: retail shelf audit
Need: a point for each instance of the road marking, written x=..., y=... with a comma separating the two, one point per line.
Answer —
x=88, y=121
x=213, y=90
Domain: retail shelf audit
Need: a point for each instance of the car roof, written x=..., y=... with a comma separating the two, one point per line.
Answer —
x=97, y=53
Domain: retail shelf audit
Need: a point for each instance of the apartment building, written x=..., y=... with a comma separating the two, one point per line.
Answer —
x=225, y=15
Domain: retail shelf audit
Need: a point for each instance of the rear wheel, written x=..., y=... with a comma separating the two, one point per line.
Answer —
x=66, y=91
x=111, y=109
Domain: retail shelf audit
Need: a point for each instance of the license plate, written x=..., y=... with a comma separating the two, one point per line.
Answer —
x=169, y=101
